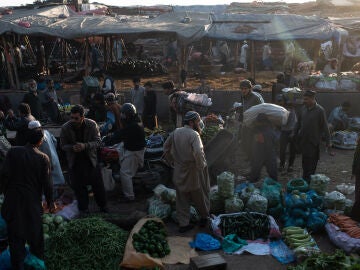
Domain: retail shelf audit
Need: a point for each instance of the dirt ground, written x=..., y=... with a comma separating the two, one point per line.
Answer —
x=337, y=167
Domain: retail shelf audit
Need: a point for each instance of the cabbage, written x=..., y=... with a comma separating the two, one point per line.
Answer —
x=58, y=219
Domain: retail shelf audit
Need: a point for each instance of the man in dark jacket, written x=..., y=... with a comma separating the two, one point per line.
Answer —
x=80, y=139
x=149, y=112
x=25, y=176
x=310, y=128
x=32, y=98
x=132, y=136
x=19, y=124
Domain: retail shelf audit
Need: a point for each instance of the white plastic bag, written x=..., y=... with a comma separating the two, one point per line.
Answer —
x=346, y=189
x=109, y=182
x=70, y=211
x=335, y=200
x=277, y=115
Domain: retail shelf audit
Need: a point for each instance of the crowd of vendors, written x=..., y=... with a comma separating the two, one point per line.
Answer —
x=106, y=122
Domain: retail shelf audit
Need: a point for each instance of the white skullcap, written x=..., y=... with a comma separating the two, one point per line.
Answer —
x=34, y=124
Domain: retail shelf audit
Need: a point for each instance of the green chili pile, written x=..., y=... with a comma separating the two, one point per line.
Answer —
x=88, y=243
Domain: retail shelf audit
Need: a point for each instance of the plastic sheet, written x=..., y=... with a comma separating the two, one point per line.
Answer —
x=281, y=252
x=232, y=243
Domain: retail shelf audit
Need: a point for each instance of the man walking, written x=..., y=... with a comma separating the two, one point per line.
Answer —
x=24, y=177
x=80, y=139
x=311, y=126
x=137, y=96
x=185, y=149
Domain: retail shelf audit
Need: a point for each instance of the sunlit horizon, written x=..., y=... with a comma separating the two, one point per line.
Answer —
x=7, y=3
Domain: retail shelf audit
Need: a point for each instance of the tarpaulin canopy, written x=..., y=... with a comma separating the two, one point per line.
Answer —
x=62, y=22
x=272, y=27
x=351, y=24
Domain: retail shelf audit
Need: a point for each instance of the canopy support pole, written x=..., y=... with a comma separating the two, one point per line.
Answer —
x=253, y=60
x=105, y=52
x=7, y=53
x=236, y=53
x=87, y=57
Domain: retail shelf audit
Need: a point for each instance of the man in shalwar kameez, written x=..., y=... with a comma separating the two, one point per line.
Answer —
x=185, y=150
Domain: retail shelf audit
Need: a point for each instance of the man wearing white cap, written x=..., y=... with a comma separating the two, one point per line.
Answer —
x=49, y=148
x=185, y=149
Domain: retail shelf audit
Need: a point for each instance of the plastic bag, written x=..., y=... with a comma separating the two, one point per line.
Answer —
x=276, y=211
x=271, y=190
x=225, y=182
x=233, y=205
x=5, y=260
x=34, y=262
x=205, y=242
x=297, y=184
x=346, y=189
x=335, y=200
x=297, y=200
x=232, y=243
x=70, y=211
x=281, y=252
x=316, y=220
x=245, y=190
x=159, y=209
x=216, y=203
x=194, y=216
x=109, y=183
x=3, y=228
x=348, y=207
x=257, y=203
x=319, y=183
x=341, y=239
x=276, y=114
x=317, y=201
x=167, y=195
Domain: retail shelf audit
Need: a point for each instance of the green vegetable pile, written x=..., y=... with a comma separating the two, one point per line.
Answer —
x=209, y=132
x=297, y=237
x=249, y=226
x=52, y=224
x=88, y=243
x=151, y=239
x=324, y=261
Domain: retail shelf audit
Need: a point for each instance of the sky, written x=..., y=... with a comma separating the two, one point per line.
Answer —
x=151, y=2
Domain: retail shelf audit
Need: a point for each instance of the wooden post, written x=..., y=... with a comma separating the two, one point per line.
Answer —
x=105, y=51
x=237, y=54
x=8, y=65
x=86, y=56
x=111, y=49
x=253, y=60
x=316, y=48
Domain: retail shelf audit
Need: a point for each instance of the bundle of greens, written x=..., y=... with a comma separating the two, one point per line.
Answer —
x=88, y=243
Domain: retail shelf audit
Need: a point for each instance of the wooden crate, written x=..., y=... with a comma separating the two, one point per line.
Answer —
x=212, y=261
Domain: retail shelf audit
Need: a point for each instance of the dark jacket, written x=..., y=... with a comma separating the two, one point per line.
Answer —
x=20, y=125
x=91, y=139
x=149, y=103
x=311, y=126
x=132, y=135
x=25, y=176
x=250, y=100
x=356, y=161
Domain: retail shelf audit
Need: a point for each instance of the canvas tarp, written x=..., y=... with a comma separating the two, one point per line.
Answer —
x=61, y=22
x=272, y=27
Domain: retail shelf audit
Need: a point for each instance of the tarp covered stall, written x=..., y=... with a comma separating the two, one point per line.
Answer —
x=60, y=21
x=272, y=27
